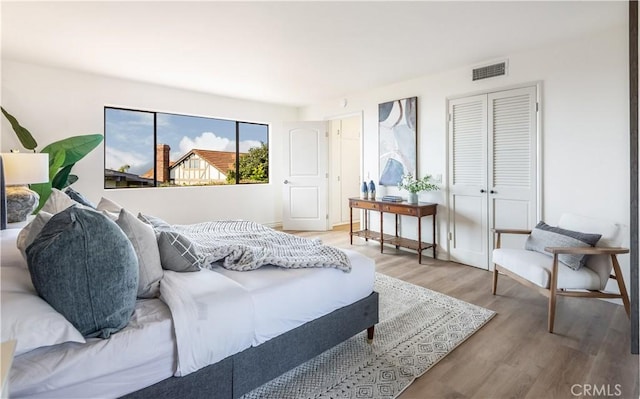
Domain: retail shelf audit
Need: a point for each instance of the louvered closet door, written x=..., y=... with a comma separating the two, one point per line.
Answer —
x=468, y=180
x=512, y=163
x=492, y=172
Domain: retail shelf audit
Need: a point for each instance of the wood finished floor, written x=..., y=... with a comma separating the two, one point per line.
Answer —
x=513, y=356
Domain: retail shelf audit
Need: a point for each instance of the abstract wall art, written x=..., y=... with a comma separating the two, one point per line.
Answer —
x=397, y=126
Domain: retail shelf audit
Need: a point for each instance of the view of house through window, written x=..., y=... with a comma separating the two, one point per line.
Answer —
x=154, y=149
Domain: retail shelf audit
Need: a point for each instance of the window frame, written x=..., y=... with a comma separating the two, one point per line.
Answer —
x=155, y=144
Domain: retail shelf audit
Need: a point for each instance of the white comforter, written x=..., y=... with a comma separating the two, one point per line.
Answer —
x=217, y=313
x=213, y=317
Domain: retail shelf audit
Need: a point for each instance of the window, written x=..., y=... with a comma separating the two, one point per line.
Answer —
x=154, y=149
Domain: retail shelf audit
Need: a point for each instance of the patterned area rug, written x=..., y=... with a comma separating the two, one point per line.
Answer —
x=417, y=328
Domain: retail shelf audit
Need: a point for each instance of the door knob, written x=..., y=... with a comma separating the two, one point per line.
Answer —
x=483, y=190
x=286, y=182
x=493, y=192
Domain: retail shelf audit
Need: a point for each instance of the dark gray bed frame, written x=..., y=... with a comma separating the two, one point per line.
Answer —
x=247, y=370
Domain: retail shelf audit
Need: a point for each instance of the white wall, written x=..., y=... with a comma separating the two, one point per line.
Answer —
x=54, y=104
x=584, y=130
x=585, y=133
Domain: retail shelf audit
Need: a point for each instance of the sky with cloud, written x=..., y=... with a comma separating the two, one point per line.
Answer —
x=129, y=136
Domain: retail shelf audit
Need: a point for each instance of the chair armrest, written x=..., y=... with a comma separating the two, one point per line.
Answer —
x=499, y=232
x=587, y=250
x=511, y=231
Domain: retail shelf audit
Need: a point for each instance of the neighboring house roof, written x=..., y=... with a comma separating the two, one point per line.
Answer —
x=221, y=160
x=117, y=175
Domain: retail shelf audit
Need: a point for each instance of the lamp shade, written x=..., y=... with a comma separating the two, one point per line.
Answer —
x=25, y=168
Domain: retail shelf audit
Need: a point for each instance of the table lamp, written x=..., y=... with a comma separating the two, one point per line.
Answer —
x=21, y=169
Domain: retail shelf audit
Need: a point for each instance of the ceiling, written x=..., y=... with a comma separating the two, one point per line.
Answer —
x=292, y=53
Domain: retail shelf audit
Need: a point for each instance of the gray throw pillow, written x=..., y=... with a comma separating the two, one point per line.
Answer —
x=155, y=222
x=178, y=253
x=84, y=266
x=143, y=239
x=79, y=198
x=544, y=235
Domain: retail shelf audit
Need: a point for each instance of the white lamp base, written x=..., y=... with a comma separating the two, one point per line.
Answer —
x=21, y=202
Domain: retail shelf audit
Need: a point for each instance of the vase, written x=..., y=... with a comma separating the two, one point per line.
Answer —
x=364, y=191
x=372, y=190
x=413, y=198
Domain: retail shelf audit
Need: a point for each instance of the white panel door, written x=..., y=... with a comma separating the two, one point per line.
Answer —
x=468, y=180
x=305, y=193
x=513, y=167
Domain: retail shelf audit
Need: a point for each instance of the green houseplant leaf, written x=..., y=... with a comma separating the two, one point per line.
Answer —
x=63, y=155
x=56, y=160
x=26, y=139
x=44, y=191
x=75, y=147
x=71, y=179
x=61, y=179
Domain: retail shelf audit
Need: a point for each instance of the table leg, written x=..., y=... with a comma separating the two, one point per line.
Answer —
x=381, y=232
x=366, y=225
x=419, y=239
x=433, y=223
x=351, y=225
x=397, y=230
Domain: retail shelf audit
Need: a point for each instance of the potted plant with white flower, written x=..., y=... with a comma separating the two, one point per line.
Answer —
x=414, y=186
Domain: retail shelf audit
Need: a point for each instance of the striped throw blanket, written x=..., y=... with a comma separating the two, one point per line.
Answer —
x=243, y=246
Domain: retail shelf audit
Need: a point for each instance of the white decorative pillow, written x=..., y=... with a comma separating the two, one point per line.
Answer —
x=31, y=231
x=57, y=202
x=143, y=239
x=27, y=318
x=109, y=208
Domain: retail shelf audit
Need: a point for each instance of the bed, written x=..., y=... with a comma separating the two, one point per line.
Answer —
x=266, y=322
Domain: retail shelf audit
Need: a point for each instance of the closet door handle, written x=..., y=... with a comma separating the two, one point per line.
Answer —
x=493, y=192
x=483, y=190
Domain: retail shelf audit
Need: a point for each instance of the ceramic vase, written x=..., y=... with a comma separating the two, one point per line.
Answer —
x=413, y=198
x=372, y=190
x=364, y=191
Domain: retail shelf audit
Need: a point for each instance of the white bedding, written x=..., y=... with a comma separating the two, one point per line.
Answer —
x=249, y=308
x=229, y=310
x=284, y=299
x=212, y=316
x=141, y=354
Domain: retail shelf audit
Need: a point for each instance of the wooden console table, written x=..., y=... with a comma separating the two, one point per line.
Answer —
x=398, y=208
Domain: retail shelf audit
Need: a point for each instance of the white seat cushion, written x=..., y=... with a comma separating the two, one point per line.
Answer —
x=536, y=267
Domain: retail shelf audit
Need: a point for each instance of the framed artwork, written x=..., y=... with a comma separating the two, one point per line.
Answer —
x=397, y=127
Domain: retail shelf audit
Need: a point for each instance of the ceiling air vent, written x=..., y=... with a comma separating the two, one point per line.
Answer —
x=490, y=71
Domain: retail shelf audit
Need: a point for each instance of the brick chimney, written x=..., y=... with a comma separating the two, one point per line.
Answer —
x=162, y=163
